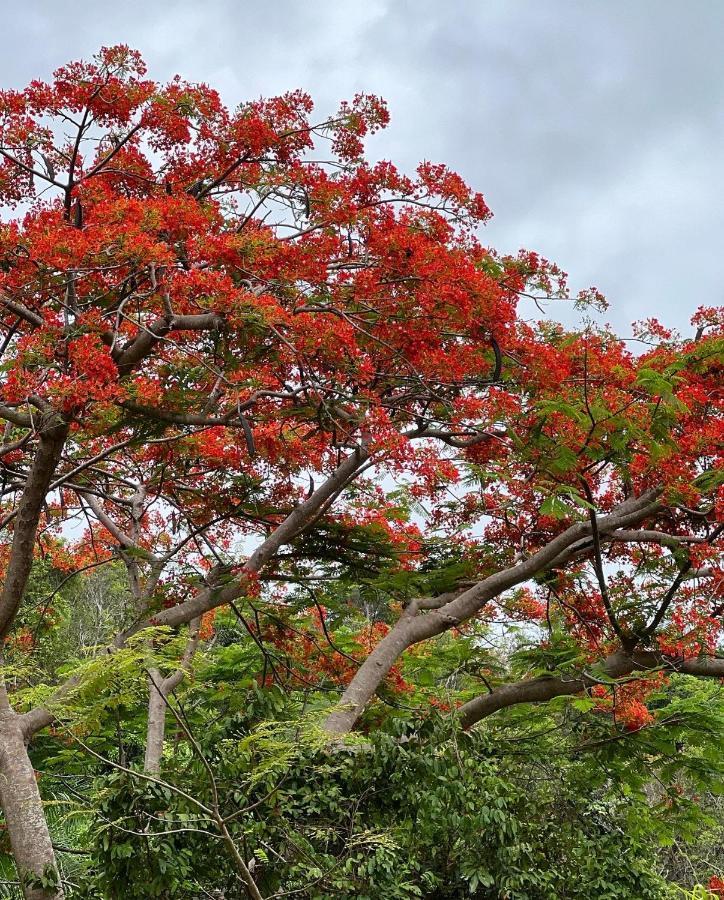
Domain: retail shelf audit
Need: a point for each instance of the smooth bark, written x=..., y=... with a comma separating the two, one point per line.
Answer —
x=47, y=457
x=19, y=796
x=544, y=688
x=155, y=724
x=423, y=620
x=159, y=689
x=22, y=806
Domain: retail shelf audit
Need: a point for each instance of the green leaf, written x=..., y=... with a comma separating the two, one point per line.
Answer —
x=555, y=506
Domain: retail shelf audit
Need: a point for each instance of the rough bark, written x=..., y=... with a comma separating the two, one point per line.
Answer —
x=22, y=806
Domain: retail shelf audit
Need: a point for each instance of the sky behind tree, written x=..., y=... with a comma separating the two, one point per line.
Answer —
x=595, y=130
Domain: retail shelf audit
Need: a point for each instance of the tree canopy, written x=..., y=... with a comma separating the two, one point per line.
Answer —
x=300, y=415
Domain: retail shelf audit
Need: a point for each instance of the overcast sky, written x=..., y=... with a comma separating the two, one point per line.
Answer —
x=594, y=128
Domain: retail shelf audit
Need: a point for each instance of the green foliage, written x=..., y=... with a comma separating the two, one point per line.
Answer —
x=427, y=812
x=537, y=803
x=147, y=839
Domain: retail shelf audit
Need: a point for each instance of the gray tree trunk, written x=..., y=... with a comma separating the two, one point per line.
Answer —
x=158, y=690
x=156, y=725
x=30, y=840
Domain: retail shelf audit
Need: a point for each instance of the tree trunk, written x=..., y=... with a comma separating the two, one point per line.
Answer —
x=25, y=527
x=30, y=840
x=156, y=726
x=158, y=690
x=368, y=678
x=27, y=829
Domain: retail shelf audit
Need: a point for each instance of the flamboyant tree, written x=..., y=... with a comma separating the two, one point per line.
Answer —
x=225, y=335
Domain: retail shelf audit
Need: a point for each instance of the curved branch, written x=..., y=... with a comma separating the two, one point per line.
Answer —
x=144, y=342
x=10, y=414
x=214, y=594
x=618, y=665
x=412, y=627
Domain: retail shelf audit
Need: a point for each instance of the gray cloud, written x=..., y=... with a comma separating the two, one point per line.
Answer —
x=595, y=129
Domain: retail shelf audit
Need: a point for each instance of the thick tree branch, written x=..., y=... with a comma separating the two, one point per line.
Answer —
x=215, y=595
x=412, y=628
x=300, y=517
x=144, y=342
x=618, y=665
x=22, y=311
x=649, y=536
x=47, y=457
x=177, y=418
x=10, y=414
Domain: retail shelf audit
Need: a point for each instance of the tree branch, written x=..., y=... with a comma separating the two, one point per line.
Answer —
x=47, y=457
x=618, y=665
x=144, y=342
